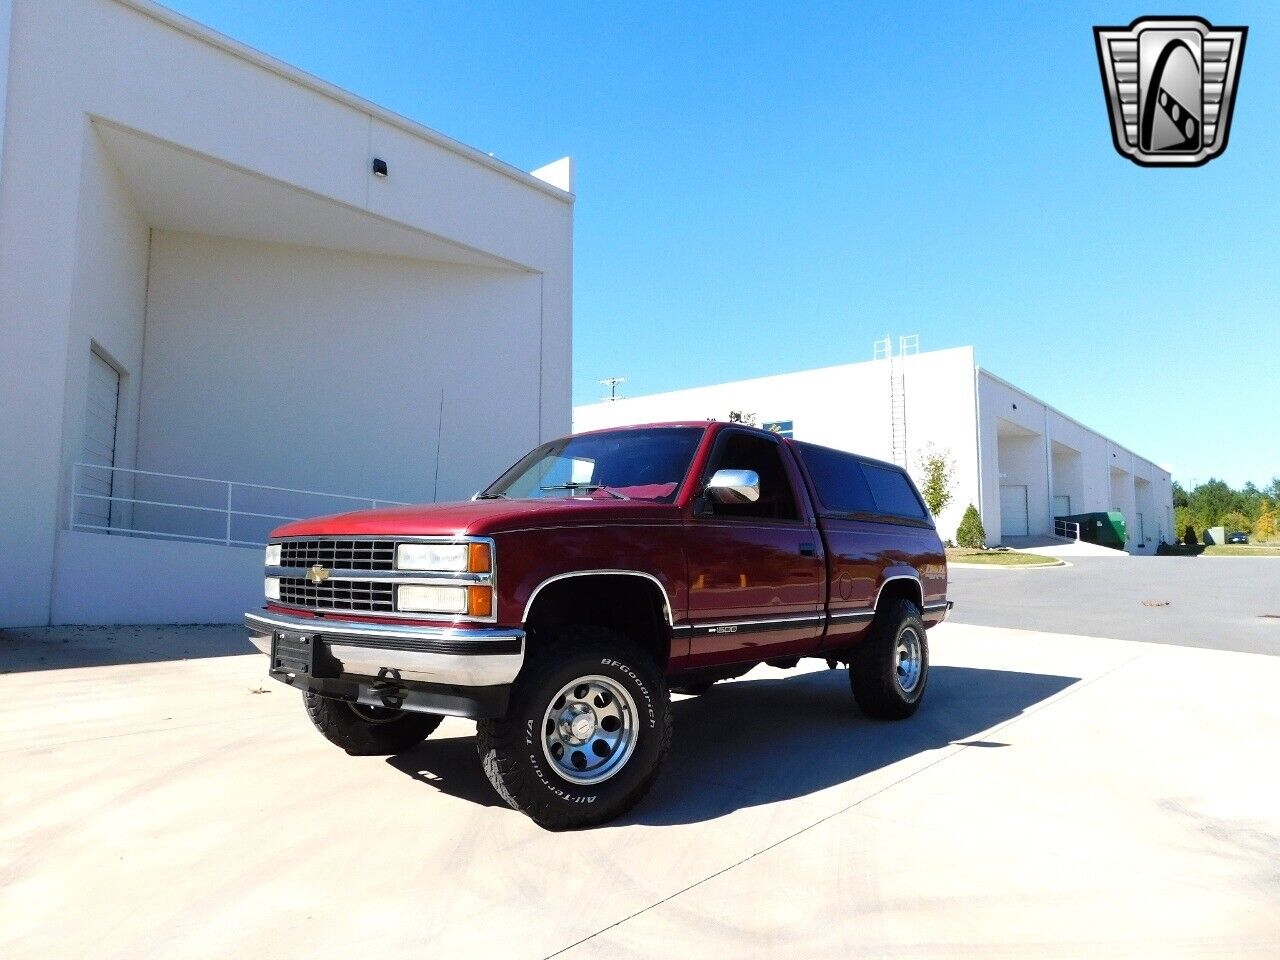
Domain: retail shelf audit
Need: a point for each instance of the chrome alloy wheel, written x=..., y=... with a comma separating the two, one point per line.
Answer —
x=589, y=730
x=908, y=660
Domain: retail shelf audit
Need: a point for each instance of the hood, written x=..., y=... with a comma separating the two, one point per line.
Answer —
x=476, y=517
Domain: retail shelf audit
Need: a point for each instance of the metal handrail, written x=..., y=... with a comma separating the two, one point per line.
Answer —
x=1067, y=528
x=228, y=510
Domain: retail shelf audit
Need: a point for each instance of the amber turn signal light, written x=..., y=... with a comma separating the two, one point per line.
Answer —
x=480, y=601
x=479, y=559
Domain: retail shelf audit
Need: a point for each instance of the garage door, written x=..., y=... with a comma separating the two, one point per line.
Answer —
x=1013, y=511
x=99, y=442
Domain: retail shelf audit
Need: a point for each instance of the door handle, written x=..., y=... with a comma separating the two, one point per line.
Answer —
x=808, y=550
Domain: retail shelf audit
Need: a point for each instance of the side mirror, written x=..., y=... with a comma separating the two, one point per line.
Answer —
x=734, y=486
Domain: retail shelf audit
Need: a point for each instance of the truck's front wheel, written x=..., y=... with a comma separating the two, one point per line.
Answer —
x=586, y=731
x=890, y=667
x=369, y=731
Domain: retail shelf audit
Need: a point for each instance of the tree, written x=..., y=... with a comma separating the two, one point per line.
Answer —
x=1183, y=520
x=1235, y=521
x=1189, y=536
x=1264, y=528
x=970, y=532
x=1179, y=495
x=936, y=469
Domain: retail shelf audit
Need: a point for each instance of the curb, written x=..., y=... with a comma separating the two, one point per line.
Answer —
x=1009, y=566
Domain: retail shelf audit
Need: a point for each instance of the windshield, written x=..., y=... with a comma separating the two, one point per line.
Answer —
x=647, y=464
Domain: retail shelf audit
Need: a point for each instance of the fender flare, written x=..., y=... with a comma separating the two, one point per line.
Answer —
x=666, y=599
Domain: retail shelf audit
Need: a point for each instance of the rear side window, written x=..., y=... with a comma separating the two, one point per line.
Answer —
x=892, y=492
x=838, y=480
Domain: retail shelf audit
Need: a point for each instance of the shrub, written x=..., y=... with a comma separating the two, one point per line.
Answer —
x=1189, y=536
x=970, y=532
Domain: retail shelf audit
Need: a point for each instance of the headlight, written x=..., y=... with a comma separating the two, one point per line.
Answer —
x=272, y=588
x=273, y=555
x=423, y=598
x=443, y=557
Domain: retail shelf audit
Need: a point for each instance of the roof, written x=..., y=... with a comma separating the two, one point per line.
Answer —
x=199, y=31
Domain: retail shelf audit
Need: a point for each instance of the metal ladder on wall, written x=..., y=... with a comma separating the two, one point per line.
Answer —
x=907, y=346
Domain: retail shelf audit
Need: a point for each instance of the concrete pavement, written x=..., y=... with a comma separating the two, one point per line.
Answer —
x=1056, y=796
x=1224, y=603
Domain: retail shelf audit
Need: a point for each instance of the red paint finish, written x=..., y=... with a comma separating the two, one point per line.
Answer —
x=714, y=570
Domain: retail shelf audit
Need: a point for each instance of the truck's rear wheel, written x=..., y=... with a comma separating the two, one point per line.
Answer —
x=362, y=730
x=587, y=728
x=890, y=667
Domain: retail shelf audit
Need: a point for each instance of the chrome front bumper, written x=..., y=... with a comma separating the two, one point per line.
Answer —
x=456, y=656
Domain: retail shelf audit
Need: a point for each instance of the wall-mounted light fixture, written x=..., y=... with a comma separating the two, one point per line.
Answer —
x=379, y=167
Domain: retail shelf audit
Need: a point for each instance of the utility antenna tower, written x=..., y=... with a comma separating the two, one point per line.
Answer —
x=612, y=383
x=883, y=350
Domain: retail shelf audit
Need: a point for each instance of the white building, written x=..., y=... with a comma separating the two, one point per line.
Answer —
x=203, y=275
x=1017, y=459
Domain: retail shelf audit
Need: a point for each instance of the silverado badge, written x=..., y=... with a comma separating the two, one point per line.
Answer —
x=1170, y=84
x=317, y=574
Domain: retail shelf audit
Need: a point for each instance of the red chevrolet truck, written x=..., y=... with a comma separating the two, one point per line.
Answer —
x=561, y=606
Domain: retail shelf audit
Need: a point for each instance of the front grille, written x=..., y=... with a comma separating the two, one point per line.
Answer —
x=339, y=554
x=365, y=596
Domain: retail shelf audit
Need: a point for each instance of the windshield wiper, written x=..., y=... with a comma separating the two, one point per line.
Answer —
x=586, y=488
x=493, y=496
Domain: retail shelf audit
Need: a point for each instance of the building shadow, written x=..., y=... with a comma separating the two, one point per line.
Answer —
x=759, y=741
x=61, y=648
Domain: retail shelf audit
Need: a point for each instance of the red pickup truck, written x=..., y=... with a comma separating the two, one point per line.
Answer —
x=560, y=606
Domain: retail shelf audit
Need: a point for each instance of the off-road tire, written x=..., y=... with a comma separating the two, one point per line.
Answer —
x=512, y=748
x=347, y=725
x=873, y=667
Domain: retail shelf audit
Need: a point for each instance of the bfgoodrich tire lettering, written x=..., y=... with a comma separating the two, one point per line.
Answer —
x=890, y=667
x=369, y=731
x=514, y=750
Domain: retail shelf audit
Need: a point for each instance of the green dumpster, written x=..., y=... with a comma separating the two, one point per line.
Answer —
x=1107, y=529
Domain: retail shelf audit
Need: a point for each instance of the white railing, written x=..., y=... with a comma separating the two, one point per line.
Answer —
x=172, y=506
x=1067, y=528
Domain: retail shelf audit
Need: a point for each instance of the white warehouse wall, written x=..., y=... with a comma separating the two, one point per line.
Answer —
x=846, y=407
x=999, y=400
x=75, y=229
x=325, y=370
x=6, y=16
x=986, y=426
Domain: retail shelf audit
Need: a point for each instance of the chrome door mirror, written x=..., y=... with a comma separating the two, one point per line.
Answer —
x=734, y=486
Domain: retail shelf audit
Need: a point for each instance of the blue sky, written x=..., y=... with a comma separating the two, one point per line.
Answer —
x=771, y=187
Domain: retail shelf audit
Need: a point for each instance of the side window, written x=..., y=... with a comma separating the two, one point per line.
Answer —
x=837, y=480
x=893, y=493
x=741, y=451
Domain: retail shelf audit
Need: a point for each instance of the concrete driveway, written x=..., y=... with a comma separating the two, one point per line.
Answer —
x=1056, y=796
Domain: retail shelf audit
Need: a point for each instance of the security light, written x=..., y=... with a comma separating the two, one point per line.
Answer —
x=379, y=167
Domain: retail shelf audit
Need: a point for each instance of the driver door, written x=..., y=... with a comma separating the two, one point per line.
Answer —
x=757, y=575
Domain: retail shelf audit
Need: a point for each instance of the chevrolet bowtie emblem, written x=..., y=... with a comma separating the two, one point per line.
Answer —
x=317, y=574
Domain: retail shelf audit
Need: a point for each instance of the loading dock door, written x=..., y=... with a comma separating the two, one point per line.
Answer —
x=1061, y=506
x=1013, y=511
